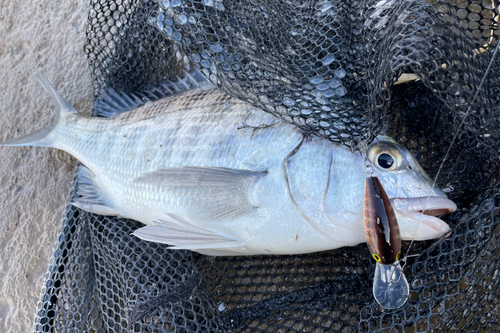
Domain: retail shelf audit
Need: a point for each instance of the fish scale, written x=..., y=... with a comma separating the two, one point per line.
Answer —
x=206, y=172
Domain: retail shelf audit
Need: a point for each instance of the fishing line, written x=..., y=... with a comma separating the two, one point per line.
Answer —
x=451, y=144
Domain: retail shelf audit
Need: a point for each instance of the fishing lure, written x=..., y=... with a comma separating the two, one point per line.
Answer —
x=390, y=287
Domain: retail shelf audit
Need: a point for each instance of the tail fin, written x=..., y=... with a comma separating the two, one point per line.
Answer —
x=41, y=138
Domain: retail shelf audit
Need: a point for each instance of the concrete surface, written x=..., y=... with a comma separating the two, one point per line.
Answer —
x=34, y=182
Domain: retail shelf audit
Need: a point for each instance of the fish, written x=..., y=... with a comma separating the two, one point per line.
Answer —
x=390, y=287
x=207, y=172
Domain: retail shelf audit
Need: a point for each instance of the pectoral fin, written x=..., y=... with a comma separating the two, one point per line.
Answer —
x=181, y=234
x=211, y=193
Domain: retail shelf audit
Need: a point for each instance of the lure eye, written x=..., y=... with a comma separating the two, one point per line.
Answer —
x=385, y=161
x=376, y=257
x=398, y=255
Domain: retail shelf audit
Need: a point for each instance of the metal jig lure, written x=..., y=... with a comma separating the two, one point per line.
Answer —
x=390, y=287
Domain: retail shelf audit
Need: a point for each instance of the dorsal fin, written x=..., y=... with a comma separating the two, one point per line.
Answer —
x=112, y=103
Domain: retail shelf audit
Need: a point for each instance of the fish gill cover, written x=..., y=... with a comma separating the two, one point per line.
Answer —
x=328, y=67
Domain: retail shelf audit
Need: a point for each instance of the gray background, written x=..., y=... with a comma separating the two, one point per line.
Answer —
x=34, y=182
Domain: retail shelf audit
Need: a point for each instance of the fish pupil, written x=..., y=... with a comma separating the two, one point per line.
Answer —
x=385, y=161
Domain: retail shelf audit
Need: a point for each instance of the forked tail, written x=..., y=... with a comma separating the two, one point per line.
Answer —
x=42, y=137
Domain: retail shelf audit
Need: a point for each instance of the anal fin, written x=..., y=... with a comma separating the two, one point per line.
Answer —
x=87, y=194
x=183, y=235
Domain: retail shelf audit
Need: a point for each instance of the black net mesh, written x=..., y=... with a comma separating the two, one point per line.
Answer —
x=328, y=67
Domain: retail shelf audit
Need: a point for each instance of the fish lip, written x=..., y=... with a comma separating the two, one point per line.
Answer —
x=426, y=210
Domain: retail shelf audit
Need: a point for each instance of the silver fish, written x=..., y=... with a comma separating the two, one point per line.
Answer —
x=210, y=173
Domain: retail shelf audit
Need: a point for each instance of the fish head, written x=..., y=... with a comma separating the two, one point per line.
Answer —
x=415, y=199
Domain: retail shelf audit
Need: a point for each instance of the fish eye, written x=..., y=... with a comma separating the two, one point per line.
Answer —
x=398, y=255
x=385, y=161
x=376, y=257
x=385, y=155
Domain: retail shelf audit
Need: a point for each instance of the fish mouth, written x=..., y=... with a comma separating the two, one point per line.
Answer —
x=425, y=210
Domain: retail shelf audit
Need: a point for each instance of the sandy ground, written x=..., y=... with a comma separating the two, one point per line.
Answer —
x=34, y=182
